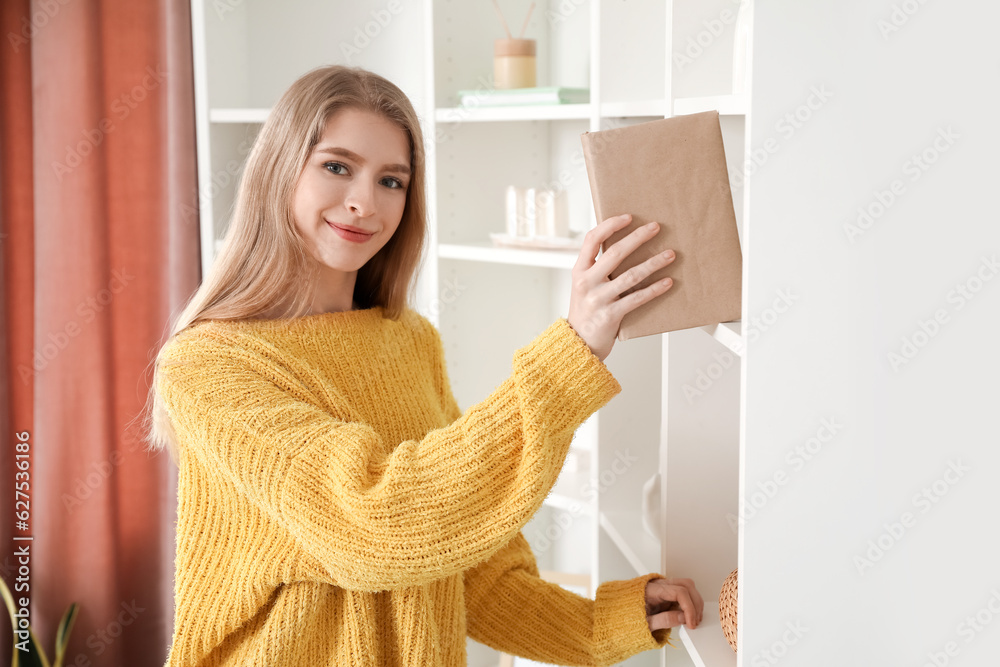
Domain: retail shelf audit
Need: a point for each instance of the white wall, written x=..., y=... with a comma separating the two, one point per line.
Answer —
x=928, y=86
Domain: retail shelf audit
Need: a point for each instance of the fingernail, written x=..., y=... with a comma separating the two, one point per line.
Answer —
x=652, y=225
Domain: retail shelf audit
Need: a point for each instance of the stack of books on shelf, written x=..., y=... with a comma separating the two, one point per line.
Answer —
x=523, y=97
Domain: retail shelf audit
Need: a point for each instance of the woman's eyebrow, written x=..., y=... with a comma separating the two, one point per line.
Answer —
x=343, y=152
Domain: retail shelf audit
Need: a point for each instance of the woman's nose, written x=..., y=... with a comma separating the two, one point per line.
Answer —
x=360, y=200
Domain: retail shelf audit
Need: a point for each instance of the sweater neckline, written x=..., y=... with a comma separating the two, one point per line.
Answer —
x=308, y=321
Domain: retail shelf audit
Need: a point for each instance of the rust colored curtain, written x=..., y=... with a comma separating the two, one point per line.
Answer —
x=97, y=169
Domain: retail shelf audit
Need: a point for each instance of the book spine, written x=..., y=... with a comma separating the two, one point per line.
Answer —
x=587, y=139
x=591, y=150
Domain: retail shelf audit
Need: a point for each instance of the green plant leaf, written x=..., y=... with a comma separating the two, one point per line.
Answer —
x=62, y=635
x=34, y=656
x=8, y=600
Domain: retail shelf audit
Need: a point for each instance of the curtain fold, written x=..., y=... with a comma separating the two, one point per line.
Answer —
x=16, y=270
x=102, y=257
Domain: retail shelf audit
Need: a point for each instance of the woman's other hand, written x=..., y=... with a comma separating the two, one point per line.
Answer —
x=596, y=307
x=671, y=602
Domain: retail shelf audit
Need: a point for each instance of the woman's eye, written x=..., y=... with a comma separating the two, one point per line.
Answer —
x=393, y=183
x=335, y=168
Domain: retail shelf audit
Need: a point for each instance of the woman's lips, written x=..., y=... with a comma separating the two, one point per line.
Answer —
x=349, y=233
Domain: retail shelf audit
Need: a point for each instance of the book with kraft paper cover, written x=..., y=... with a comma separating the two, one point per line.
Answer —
x=671, y=171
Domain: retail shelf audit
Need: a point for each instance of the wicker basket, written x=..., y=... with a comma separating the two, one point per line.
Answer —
x=727, y=608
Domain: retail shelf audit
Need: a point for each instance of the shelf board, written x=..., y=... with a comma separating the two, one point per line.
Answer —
x=651, y=108
x=513, y=113
x=727, y=105
x=626, y=530
x=487, y=252
x=238, y=115
x=727, y=333
x=706, y=644
x=567, y=494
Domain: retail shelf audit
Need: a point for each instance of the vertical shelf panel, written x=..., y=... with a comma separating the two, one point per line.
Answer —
x=734, y=142
x=701, y=450
x=629, y=453
x=700, y=474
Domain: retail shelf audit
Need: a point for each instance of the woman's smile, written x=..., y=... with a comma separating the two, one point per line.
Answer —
x=351, y=233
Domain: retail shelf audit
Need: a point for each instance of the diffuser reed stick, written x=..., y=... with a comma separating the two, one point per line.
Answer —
x=502, y=19
x=525, y=26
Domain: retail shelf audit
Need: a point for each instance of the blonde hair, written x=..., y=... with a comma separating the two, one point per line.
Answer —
x=264, y=257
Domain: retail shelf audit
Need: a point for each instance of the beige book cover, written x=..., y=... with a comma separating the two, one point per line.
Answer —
x=671, y=171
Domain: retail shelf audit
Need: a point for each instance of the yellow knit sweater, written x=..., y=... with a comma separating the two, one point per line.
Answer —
x=336, y=508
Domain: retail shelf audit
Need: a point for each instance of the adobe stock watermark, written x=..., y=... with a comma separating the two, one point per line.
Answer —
x=223, y=7
x=8, y=569
x=542, y=540
x=562, y=11
x=928, y=329
x=364, y=34
x=220, y=179
x=121, y=107
x=450, y=292
x=923, y=501
x=796, y=459
x=699, y=44
x=898, y=17
x=786, y=127
x=88, y=309
x=967, y=630
x=567, y=177
x=88, y=482
x=776, y=652
x=455, y=116
x=706, y=377
x=44, y=11
x=103, y=638
x=912, y=170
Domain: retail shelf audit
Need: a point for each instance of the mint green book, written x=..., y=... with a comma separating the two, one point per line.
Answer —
x=523, y=97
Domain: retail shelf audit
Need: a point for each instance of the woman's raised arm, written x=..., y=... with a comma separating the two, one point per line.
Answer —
x=372, y=514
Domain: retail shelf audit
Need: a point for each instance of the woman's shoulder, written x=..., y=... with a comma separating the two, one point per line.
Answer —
x=216, y=333
x=422, y=327
x=417, y=321
x=195, y=340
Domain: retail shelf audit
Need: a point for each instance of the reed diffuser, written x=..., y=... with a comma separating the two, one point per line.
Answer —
x=514, y=61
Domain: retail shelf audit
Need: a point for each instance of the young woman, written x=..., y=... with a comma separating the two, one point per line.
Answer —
x=335, y=506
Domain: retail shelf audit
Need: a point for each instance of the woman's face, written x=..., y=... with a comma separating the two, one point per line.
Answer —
x=356, y=177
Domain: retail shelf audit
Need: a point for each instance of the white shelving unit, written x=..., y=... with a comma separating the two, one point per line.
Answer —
x=254, y=116
x=668, y=421
x=726, y=105
x=486, y=252
x=455, y=115
x=247, y=52
x=653, y=425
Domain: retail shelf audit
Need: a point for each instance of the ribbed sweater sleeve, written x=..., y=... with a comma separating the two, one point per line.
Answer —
x=377, y=515
x=509, y=608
